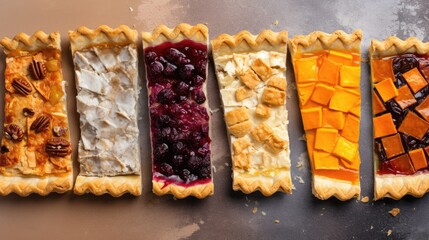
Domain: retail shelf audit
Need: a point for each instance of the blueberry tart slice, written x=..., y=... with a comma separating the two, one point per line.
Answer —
x=35, y=152
x=176, y=73
x=105, y=63
x=251, y=73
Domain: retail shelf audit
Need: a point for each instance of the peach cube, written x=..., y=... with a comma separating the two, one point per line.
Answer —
x=377, y=105
x=418, y=159
x=324, y=160
x=405, y=98
x=351, y=128
x=386, y=89
x=305, y=90
x=423, y=108
x=414, y=126
x=382, y=69
x=340, y=57
x=322, y=94
x=311, y=118
x=329, y=72
x=415, y=80
x=331, y=118
x=306, y=70
x=383, y=125
x=354, y=165
x=326, y=139
x=392, y=145
x=346, y=149
x=349, y=76
x=343, y=100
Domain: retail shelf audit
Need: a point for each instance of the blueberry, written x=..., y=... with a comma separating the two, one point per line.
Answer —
x=404, y=64
x=161, y=150
x=166, y=96
x=182, y=88
x=378, y=147
x=204, y=150
x=194, y=162
x=174, y=54
x=165, y=133
x=197, y=81
x=169, y=70
x=186, y=72
x=156, y=68
x=166, y=169
x=179, y=146
x=150, y=56
x=204, y=172
x=199, y=96
x=201, y=67
x=187, y=176
x=178, y=160
x=164, y=119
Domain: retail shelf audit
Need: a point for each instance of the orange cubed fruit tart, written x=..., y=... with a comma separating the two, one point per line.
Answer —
x=328, y=84
x=400, y=117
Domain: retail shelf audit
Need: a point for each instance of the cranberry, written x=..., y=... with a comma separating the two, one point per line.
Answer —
x=201, y=67
x=182, y=88
x=161, y=150
x=194, y=162
x=150, y=56
x=404, y=64
x=169, y=70
x=178, y=160
x=186, y=72
x=166, y=96
x=166, y=169
x=165, y=133
x=187, y=176
x=182, y=61
x=164, y=120
x=204, y=172
x=156, y=68
x=400, y=80
x=179, y=146
x=204, y=150
x=197, y=81
x=174, y=54
x=199, y=96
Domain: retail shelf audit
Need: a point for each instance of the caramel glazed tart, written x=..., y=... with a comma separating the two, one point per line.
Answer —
x=323, y=187
x=263, y=168
x=198, y=33
x=117, y=185
x=25, y=185
x=390, y=185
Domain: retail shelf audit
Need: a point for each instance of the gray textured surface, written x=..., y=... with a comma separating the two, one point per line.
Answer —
x=228, y=214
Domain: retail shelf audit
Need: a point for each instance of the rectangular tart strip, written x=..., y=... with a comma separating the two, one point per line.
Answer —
x=251, y=72
x=400, y=75
x=35, y=150
x=327, y=75
x=105, y=62
x=176, y=73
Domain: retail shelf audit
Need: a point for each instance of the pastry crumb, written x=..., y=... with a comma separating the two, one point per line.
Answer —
x=364, y=60
x=254, y=210
x=293, y=187
x=365, y=199
x=263, y=213
x=395, y=211
x=276, y=22
x=247, y=205
x=131, y=9
x=227, y=164
x=214, y=110
x=276, y=221
x=300, y=180
x=214, y=168
x=372, y=227
x=389, y=232
x=302, y=138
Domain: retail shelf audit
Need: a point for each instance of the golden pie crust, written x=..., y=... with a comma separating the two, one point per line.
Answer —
x=325, y=187
x=104, y=36
x=390, y=185
x=197, y=33
x=34, y=170
x=251, y=75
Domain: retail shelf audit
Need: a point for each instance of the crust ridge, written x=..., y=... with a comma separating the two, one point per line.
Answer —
x=199, y=191
x=393, y=45
x=24, y=186
x=324, y=188
x=182, y=31
x=37, y=41
x=267, y=188
x=115, y=186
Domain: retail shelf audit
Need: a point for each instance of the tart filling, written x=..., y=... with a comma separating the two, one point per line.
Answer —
x=400, y=115
x=179, y=122
x=36, y=151
x=251, y=75
x=327, y=73
x=106, y=80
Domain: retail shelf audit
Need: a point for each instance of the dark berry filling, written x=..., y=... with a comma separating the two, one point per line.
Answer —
x=179, y=123
x=402, y=64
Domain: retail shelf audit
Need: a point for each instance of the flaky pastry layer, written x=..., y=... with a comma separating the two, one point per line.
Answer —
x=24, y=186
x=267, y=186
x=198, y=33
x=115, y=186
x=199, y=191
x=36, y=42
x=324, y=188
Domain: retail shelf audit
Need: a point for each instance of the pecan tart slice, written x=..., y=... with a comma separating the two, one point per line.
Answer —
x=400, y=75
x=105, y=61
x=327, y=74
x=35, y=152
x=176, y=73
x=251, y=72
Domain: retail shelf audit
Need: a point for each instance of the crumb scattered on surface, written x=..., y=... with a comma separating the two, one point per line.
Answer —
x=201, y=222
x=372, y=227
x=214, y=168
x=227, y=164
x=276, y=221
x=247, y=205
x=214, y=110
x=364, y=60
x=395, y=211
x=263, y=213
x=293, y=187
x=302, y=160
x=300, y=180
x=302, y=138
x=276, y=22
x=389, y=232
x=131, y=9
x=365, y=199
x=254, y=210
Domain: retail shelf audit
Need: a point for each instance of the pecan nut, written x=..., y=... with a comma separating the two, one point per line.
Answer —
x=59, y=131
x=13, y=132
x=38, y=70
x=58, y=147
x=28, y=112
x=41, y=123
x=22, y=86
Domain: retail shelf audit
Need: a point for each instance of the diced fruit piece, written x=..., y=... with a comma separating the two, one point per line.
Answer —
x=273, y=97
x=354, y=165
x=404, y=64
x=261, y=132
x=261, y=68
x=249, y=78
x=415, y=80
x=356, y=109
x=311, y=118
x=423, y=108
x=340, y=57
x=349, y=76
x=343, y=100
x=351, y=128
x=414, y=126
x=418, y=159
x=405, y=98
x=306, y=70
x=329, y=72
x=276, y=144
x=402, y=164
x=382, y=69
x=345, y=149
x=305, y=90
x=326, y=139
x=263, y=111
x=324, y=160
x=241, y=161
x=277, y=82
x=377, y=105
x=243, y=93
x=392, y=145
x=240, y=129
x=383, y=125
x=322, y=94
x=56, y=94
x=386, y=89
x=240, y=144
x=237, y=115
x=331, y=118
